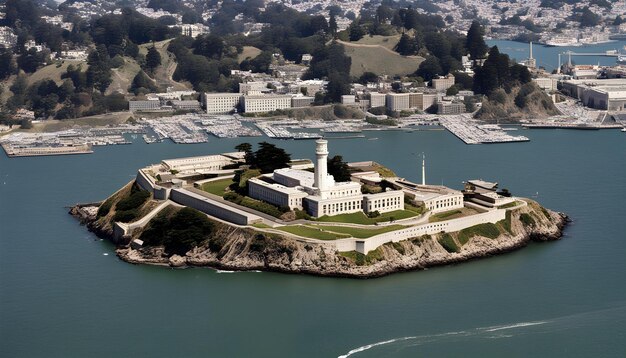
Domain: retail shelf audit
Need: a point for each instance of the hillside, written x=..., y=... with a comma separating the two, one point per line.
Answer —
x=376, y=54
x=523, y=102
x=248, y=52
x=163, y=74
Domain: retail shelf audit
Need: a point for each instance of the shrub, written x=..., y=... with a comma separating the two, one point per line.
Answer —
x=136, y=198
x=373, y=214
x=527, y=220
x=448, y=243
x=185, y=230
x=487, y=230
x=125, y=215
x=105, y=208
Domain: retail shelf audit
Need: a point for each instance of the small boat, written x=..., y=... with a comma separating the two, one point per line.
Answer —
x=624, y=129
x=375, y=138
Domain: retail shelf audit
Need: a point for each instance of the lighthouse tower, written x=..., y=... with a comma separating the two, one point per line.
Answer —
x=321, y=169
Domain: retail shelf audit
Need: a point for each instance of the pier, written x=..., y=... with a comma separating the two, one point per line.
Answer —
x=474, y=132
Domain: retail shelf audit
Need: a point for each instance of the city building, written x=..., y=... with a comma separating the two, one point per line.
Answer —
x=441, y=84
x=144, y=105
x=202, y=164
x=421, y=100
x=377, y=99
x=221, y=103
x=252, y=88
x=348, y=99
x=397, y=101
x=265, y=103
x=317, y=193
x=446, y=107
x=186, y=105
x=607, y=94
x=301, y=101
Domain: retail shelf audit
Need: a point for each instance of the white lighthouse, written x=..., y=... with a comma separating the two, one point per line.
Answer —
x=321, y=169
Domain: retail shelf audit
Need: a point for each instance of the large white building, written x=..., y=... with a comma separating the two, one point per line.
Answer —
x=318, y=193
x=265, y=103
x=221, y=103
x=397, y=101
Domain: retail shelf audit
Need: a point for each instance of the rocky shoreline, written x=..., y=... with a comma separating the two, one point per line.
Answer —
x=247, y=249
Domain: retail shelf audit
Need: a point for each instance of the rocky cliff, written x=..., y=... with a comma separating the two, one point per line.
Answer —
x=237, y=248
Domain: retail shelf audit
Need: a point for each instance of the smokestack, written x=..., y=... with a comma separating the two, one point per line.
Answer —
x=558, y=70
x=531, y=50
x=321, y=170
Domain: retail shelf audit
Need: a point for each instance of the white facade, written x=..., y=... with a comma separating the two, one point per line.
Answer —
x=383, y=202
x=397, y=101
x=207, y=162
x=267, y=103
x=318, y=193
x=221, y=103
x=276, y=194
x=377, y=99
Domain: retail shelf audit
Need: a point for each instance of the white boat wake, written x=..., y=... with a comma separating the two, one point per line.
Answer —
x=429, y=338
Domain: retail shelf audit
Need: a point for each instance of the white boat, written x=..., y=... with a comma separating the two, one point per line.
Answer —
x=621, y=59
x=623, y=129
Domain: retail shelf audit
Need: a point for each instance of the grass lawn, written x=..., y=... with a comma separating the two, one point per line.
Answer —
x=360, y=233
x=217, y=187
x=261, y=226
x=361, y=218
x=452, y=214
x=311, y=232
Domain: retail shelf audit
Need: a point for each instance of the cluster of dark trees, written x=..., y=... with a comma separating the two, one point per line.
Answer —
x=178, y=233
x=498, y=72
x=331, y=62
x=267, y=158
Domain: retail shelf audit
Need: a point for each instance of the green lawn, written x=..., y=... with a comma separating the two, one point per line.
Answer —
x=217, y=187
x=360, y=233
x=445, y=215
x=311, y=232
x=361, y=218
x=329, y=232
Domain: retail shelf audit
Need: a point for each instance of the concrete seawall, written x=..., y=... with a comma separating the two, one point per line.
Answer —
x=365, y=245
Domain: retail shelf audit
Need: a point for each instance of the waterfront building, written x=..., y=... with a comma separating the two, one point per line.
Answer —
x=187, y=105
x=221, y=103
x=377, y=99
x=144, y=105
x=546, y=83
x=421, y=100
x=397, y=101
x=446, y=107
x=607, y=94
x=265, y=103
x=348, y=99
x=206, y=163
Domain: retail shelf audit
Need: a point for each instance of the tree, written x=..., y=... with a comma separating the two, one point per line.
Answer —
x=153, y=58
x=406, y=46
x=142, y=84
x=30, y=60
x=269, y=158
x=338, y=169
x=475, y=42
x=332, y=25
x=7, y=67
x=429, y=68
x=588, y=18
x=355, y=31
x=244, y=147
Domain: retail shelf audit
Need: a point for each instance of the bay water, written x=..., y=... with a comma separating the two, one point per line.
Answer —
x=64, y=293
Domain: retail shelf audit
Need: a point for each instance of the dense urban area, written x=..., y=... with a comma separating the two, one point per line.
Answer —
x=185, y=70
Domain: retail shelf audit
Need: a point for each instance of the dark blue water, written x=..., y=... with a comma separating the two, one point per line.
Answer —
x=548, y=57
x=60, y=296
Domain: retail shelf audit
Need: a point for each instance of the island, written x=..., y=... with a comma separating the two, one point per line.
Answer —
x=263, y=210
